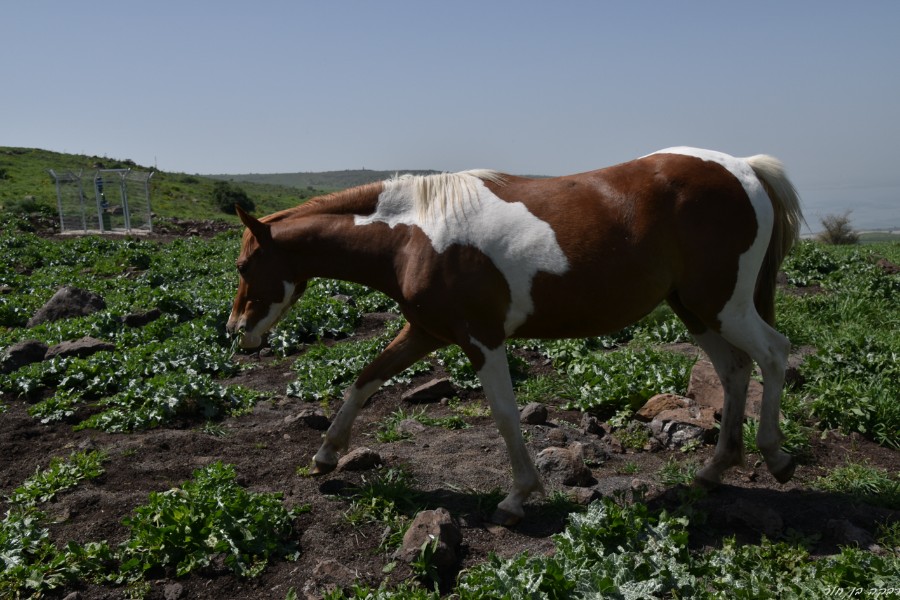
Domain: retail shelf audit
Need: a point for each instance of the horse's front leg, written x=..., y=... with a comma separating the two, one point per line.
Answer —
x=408, y=347
x=495, y=379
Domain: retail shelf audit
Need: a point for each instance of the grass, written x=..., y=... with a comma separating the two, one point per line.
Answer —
x=864, y=483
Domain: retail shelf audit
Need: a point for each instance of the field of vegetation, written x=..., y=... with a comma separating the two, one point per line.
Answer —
x=170, y=465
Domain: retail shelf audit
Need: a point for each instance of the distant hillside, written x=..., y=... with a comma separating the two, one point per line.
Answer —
x=26, y=186
x=324, y=180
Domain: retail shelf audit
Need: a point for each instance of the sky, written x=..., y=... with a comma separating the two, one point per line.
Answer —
x=523, y=87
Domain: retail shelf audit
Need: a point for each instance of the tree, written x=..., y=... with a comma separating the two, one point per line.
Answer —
x=226, y=196
x=838, y=230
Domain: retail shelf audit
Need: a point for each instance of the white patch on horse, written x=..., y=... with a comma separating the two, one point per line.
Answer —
x=460, y=209
x=253, y=338
x=750, y=261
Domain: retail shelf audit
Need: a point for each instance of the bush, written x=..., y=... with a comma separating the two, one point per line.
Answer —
x=226, y=196
x=838, y=230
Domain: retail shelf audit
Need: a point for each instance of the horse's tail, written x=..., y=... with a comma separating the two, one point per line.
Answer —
x=785, y=229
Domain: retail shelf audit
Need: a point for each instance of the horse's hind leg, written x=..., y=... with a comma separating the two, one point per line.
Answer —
x=733, y=368
x=749, y=332
x=408, y=347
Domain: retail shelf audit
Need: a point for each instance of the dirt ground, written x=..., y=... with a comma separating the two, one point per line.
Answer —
x=452, y=469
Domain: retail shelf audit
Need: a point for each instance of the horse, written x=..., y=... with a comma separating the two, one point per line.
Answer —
x=477, y=257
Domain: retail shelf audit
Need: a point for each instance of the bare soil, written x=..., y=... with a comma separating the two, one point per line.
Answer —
x=456, y=470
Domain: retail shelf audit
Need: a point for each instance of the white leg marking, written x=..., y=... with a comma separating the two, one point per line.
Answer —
x=337, y=438
x=498, y=389
x=733, y=368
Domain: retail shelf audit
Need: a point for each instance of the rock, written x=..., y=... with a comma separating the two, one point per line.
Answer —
x=887, y=266
x=173, y=591
x=312, y=417
x=68, y=302
x=432, y=391
x=793, y=377
x=82, y=347
x=674, y=428
x=659, y=403
x=359, y=459
x=590, y=425
x=428, y=527
x=584, y=495
x=534, y=413
x=73, y=596
x=142, y=318
x=330, y=571
x=21, y=354
x=594, y=453
x=565, y=465
x=410, y=427
x=557, y=437
x=705, y=389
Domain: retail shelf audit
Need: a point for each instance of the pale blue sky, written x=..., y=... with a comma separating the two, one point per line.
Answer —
x=524, y=87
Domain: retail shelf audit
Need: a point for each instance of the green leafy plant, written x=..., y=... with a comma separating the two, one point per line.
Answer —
x=208, y=517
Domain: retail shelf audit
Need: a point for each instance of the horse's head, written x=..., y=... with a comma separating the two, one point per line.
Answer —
x=267, y=287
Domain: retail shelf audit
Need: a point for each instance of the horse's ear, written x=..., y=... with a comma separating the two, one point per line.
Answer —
x=261, y=231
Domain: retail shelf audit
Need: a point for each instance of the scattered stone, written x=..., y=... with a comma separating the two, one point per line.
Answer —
x=410, y=427
x=534, y=413
x=68, y=302
x=21, y=354
x=312, y=417
x=846, y=533
x=594, y=453
x=705, y=389
x=82, y=348
x=758, y=517
x=359, y=459
x=557, y=437
x=330, y=572
x=591, y=426
x=659, y=403
x=887, y=266
x=584, y=495
x=676, y=427
x=142, y=318
x=432, y=391
x=428, y=527
x=565, y=465
x=173, y=591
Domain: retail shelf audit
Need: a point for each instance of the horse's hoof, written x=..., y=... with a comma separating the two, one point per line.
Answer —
x=505, y=518
x=785, y=473
x=318, y=468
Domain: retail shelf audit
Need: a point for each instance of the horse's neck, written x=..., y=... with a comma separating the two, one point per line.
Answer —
x=330, y=244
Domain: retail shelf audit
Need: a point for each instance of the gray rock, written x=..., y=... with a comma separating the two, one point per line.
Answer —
x=433, y=527
x=173, y=591
x=565, y=465
x=432, y=391
x=21, y=354
x=142, y=318
x=68, y=302
x=590, y=425
x=82, y=347
x=534, y=413
x=359, y=459
x=311, y=417
x=846, y=533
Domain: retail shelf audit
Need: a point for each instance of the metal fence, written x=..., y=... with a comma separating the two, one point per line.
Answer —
x=105, y=200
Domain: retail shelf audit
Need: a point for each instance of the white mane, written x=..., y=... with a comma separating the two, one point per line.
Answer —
x=436, y=195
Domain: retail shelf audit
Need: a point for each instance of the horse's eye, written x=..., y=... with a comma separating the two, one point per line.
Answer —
x=241, y=267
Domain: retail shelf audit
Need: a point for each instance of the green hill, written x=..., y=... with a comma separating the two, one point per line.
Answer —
x=325, y=180
x=26, y=186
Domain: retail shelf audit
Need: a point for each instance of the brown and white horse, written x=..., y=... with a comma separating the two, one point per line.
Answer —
x=477, y=257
